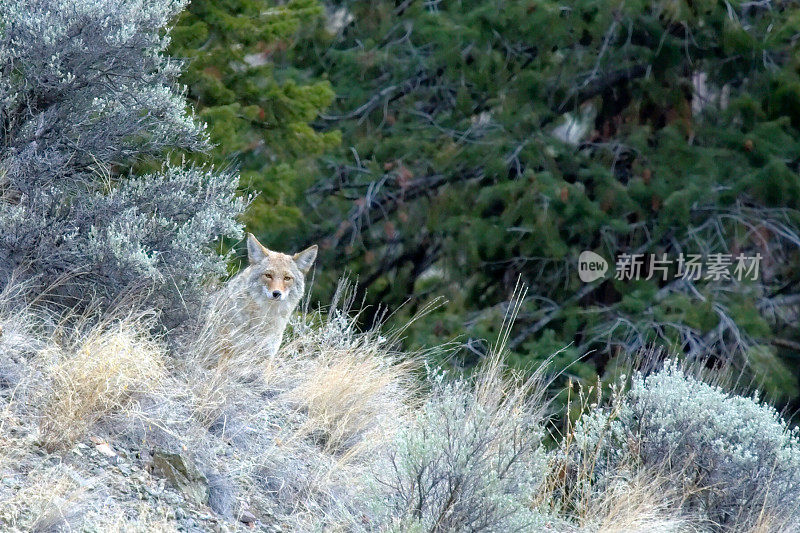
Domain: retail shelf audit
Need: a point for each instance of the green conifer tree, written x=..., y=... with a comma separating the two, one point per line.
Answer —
x=486, y=142
x=257, y=107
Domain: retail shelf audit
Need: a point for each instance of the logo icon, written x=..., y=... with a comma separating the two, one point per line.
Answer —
x=591, y=266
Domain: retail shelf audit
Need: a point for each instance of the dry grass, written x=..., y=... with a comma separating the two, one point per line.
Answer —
x=105, y=370
x=353, y=395
x=638, y=505
x=309, y=435
x=47, y=496
x=148, y=520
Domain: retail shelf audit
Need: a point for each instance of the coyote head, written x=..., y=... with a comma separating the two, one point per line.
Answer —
x=277, y=277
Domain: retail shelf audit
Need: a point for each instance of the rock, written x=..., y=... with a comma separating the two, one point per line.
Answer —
x=221, y=495
x=182, y=474
x=246, y=517
x=58, y=517
x=103, y=446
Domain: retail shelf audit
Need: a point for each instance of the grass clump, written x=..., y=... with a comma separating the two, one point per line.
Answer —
x=102, y=373
x=355, y=391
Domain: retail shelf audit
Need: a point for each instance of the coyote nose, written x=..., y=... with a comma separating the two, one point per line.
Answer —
x=276, y=294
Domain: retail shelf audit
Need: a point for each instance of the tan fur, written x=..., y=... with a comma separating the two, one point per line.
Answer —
x=260, y=299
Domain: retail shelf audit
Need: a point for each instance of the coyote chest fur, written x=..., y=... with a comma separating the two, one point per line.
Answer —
x=256, y=305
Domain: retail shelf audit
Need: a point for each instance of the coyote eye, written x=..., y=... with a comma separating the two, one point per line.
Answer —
x=268, y=276
x=287, y=278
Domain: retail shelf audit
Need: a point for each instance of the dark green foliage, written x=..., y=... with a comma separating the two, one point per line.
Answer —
x=455, y=175
x=257, y=107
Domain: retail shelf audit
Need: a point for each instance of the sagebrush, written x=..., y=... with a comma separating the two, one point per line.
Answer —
x=86, y=95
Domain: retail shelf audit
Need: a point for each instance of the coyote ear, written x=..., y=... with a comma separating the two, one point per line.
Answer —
x=255, y=251
x=305, y=259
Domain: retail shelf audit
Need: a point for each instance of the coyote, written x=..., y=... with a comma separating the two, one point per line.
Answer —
x=255, y=306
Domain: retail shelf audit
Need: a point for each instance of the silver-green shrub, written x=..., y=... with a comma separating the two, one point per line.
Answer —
x=85, y=90
x=736, y=460
x=468, y=462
